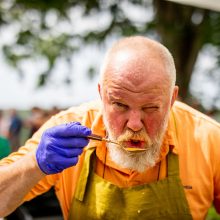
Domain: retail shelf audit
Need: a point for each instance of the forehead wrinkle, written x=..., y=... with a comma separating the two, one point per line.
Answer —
x=134, y=69
x=144, y=87
x=135, y=97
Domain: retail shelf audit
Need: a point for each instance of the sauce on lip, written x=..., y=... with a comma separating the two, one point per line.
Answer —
x=134, y=144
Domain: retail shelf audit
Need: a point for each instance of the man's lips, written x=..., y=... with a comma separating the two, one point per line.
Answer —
x=134, y=144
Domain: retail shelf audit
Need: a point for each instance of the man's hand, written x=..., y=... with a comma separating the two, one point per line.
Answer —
x=60, y=147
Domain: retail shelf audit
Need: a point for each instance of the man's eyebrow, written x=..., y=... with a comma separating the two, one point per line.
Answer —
x=113, y=96
x=116, y=98
x=156, y=102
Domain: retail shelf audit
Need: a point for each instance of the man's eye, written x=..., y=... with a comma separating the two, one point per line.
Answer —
x=150, y=108
x=120, y=105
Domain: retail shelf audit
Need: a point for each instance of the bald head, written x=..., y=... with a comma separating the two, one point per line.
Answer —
x=138, y=53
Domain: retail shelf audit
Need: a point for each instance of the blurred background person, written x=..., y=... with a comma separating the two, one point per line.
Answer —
x=37, y=117
x=4, y=124
x=14, y=130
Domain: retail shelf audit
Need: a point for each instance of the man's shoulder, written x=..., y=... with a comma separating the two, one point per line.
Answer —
x=185, y=111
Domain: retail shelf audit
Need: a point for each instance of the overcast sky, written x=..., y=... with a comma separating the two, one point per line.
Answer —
x=23, y=94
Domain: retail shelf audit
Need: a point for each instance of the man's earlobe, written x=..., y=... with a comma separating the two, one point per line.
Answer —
x=99, y=89
x=175, y=94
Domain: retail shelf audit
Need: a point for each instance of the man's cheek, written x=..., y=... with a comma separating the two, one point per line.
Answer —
x=152, y=126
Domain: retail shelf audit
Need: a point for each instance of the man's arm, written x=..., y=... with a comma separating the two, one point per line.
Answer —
x=58, y=149
x=16, y=181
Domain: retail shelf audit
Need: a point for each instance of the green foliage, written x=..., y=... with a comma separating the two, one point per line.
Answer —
x=37, y=38
x=40, y=33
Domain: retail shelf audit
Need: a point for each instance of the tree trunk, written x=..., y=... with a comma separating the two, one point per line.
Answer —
x=180, y=28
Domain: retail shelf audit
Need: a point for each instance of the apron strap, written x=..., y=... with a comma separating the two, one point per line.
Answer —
x=84, y=174
x=172, y=164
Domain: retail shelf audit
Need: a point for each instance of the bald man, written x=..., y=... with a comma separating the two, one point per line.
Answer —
x=159, y=158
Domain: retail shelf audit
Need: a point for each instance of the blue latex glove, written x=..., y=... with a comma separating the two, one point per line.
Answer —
x=60, y=147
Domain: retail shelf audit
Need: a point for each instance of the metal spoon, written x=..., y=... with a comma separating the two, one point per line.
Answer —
x=100, y=138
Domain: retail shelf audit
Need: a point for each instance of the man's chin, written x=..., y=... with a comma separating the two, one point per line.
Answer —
x=138, y=161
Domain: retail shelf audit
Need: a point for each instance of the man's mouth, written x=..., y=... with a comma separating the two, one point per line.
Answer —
x=134, y=144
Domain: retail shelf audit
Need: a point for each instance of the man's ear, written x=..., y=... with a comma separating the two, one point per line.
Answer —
x=174, y=95
x=99, y=89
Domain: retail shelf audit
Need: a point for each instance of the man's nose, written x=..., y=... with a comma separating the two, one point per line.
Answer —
x=135, y=121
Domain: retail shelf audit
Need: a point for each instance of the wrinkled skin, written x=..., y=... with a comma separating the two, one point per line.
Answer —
x=136, y=91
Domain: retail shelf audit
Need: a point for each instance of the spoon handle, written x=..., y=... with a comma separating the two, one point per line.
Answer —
x=100, y=138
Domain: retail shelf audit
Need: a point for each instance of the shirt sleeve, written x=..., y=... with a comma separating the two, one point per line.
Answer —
x=215, y=162
x=217, y=185
x=31, y=145
x=80, y=114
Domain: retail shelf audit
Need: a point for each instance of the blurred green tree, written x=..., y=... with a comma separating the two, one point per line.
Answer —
x=42, y=30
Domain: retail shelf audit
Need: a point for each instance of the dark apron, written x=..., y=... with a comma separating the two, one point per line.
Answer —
x=96, y=198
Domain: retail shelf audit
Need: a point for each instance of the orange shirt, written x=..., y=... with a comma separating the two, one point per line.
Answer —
x=192, y=135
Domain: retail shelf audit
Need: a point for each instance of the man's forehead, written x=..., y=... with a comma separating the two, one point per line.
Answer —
x=136, y=81
x=119, y=93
